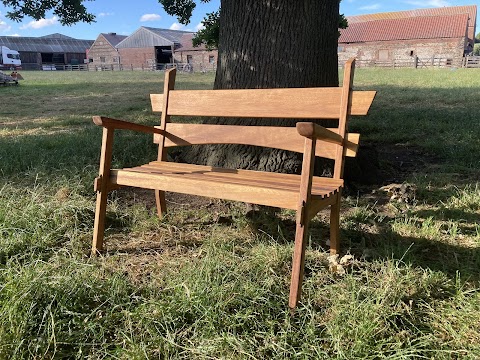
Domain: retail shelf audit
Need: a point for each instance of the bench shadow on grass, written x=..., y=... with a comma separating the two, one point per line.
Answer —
x=453, y=259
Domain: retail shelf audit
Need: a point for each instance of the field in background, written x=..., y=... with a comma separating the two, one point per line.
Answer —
x=209, y=282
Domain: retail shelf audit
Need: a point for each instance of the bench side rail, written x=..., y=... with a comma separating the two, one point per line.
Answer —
x=284, y=138
x=295, y=103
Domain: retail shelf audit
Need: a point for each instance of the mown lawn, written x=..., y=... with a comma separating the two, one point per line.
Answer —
x=209, y=282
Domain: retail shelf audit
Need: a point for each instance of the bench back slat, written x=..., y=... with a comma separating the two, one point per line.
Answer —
x=336, y=103
x=294, y=103
x=266, y=136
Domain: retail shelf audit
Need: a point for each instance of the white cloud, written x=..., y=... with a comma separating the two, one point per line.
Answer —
x=40, y=23
x=103, y=14
x=176, y=26
x=17, y=35
x=4, y=27
x=370, y=7
x=199, y=26
x=150, y=17
x=429, y=3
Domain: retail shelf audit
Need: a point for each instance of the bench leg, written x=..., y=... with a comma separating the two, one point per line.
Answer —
x=99, y=225
x=298, y=264
x=161, y=203
x=335, y=229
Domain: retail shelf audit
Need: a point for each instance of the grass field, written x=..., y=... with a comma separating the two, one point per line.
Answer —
x=207, y=282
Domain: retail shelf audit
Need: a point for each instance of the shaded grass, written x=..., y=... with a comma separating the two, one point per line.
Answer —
x=208, y=282
x=431, y=109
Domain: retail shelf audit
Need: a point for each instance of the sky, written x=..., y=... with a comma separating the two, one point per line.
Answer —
x=121, y=17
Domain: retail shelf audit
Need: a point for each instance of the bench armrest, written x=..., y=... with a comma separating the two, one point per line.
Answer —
x=109, y=123
x=311, y=131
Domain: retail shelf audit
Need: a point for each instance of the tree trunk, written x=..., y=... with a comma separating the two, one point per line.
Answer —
x=271, y=44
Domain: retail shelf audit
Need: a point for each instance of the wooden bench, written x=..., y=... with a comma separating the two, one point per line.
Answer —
x=305, y=193
x=8, y=79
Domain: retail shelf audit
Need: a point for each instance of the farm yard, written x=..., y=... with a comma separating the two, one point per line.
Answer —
x=207, y=281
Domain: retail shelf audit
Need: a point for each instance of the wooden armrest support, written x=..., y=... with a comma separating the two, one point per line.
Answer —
x=311, y=130
x=126, y=125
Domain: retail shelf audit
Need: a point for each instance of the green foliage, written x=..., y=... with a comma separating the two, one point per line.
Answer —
x=72, y=11
x=210, y=34
x=182, y=9
x=343, y=22
x=69, y=12
x=476, y=49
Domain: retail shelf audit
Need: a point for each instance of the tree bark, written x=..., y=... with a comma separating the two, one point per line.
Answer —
x=271, y=44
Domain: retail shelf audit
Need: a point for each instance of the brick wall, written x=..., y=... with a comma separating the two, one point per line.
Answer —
x=200, y=60
x=388, y=51
x=137, y=57
x=102, y=53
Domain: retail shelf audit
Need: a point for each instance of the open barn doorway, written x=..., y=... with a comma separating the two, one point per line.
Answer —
x=53, y=58
x=163, y=54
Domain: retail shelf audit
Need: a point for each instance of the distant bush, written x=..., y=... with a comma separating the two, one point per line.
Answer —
x=476, y=49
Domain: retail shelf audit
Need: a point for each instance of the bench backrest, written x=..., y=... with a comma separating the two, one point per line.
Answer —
x=292, y=103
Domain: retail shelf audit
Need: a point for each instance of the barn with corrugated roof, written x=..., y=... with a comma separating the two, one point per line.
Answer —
x=423, y=37
x=148, y=46
x=49, y=49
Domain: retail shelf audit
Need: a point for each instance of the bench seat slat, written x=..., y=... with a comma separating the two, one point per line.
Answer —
x=280, y=190
x=277, y=181
x=266, y=136
x=248, y=174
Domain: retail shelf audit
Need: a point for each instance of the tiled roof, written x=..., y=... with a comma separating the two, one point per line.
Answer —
x=57, y=36
x=46, y=44
x=426, y=27
x=113, y=38
x=147, y=37
x=186, y=43
x=471, y=10
x=171, y=35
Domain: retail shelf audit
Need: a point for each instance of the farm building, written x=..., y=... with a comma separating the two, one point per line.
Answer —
x=148, y=46
x=49, y=49
x=103, y=50
x=440, y=36
x=199, y=58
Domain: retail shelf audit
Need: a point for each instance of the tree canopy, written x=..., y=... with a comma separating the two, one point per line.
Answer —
x=69, y=12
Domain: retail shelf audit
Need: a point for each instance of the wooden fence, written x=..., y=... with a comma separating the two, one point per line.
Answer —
x=187, y=68
x=410, y=62
x=471, y=62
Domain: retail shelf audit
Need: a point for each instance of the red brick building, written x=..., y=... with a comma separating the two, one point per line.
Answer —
x=147, y=47
x=103, y=51
x=199, y=58
x=428, y=36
